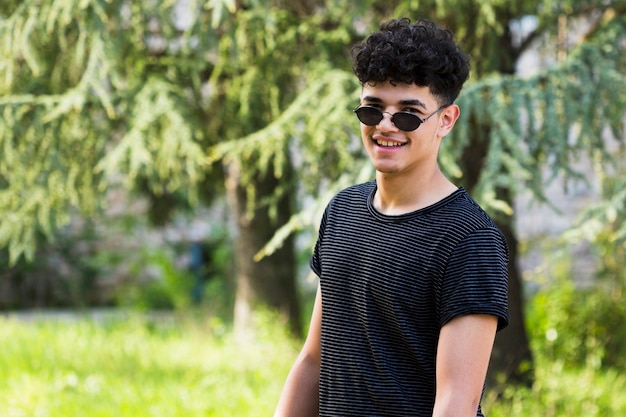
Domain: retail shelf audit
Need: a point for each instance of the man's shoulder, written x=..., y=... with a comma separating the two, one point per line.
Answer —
x=358, y=189
x=357, y=192
x=464, y=212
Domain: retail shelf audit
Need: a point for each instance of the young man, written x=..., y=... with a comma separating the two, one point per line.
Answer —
x=412, y=272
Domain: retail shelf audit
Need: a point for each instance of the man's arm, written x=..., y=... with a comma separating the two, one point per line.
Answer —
x=463, y=353
x=300, y=396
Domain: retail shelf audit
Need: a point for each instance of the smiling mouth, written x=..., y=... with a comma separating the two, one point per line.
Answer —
x=388, y=144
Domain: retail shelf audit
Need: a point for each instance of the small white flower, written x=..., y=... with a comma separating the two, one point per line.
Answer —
x=552, y=335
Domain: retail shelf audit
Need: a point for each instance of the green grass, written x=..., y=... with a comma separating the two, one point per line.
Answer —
x=560, y=391
x=194, y=367
x=138, y=368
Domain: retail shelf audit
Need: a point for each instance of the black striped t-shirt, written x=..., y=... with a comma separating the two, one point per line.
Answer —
x=389, y=283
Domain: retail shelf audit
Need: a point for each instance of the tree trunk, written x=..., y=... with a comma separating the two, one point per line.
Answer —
x=511, y=360
x=270, y=282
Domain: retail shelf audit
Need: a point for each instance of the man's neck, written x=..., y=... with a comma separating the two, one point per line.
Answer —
x=397, y=194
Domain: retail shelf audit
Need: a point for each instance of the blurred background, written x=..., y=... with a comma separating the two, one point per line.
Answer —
x=164, y=165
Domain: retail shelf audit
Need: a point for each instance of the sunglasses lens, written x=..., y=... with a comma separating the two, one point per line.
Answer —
x=406, y=121
x=369, y=116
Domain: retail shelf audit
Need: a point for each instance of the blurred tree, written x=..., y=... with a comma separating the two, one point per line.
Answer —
x=102, y=93
x=95, y=92
x=524, y=132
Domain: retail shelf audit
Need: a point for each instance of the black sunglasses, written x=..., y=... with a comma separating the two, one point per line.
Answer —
x=403, y=120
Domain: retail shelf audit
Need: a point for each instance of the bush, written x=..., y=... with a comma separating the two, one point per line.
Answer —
x=578, y=326
x=157, y=283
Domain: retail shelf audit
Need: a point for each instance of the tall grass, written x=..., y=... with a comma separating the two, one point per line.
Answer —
x=562, y=391
x=138, y=367
x=195, y=367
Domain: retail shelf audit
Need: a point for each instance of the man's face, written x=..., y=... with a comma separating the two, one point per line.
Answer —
x=391, y=149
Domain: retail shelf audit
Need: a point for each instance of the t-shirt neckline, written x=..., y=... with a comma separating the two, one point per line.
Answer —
x=391, y=218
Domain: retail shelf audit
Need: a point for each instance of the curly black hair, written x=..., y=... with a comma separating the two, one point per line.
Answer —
x=421, y=53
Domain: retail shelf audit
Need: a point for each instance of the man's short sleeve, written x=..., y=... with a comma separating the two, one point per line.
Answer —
x=476, y=278
x=315, y=261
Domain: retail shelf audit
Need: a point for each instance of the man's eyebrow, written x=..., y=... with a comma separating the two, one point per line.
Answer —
x=411, y=102
x=372, y=99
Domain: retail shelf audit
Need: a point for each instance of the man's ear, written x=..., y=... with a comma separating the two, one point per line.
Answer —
x=448, y=118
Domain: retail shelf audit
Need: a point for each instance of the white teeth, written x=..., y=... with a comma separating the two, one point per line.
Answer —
x=387, y=143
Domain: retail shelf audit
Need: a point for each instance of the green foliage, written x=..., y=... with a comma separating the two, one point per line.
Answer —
x=576, y=324
x=218, y=290
x=137, y=154
x=281, y=98
x=602, y=225
x=578, y=340
x=129, y=90
x=540, y=126
x=44, y=155
x=131, y=93
x=578, y=327
x=63, y=274
x=147, y=274
x=79, y=109
x=157, y=283
x=561, y=391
